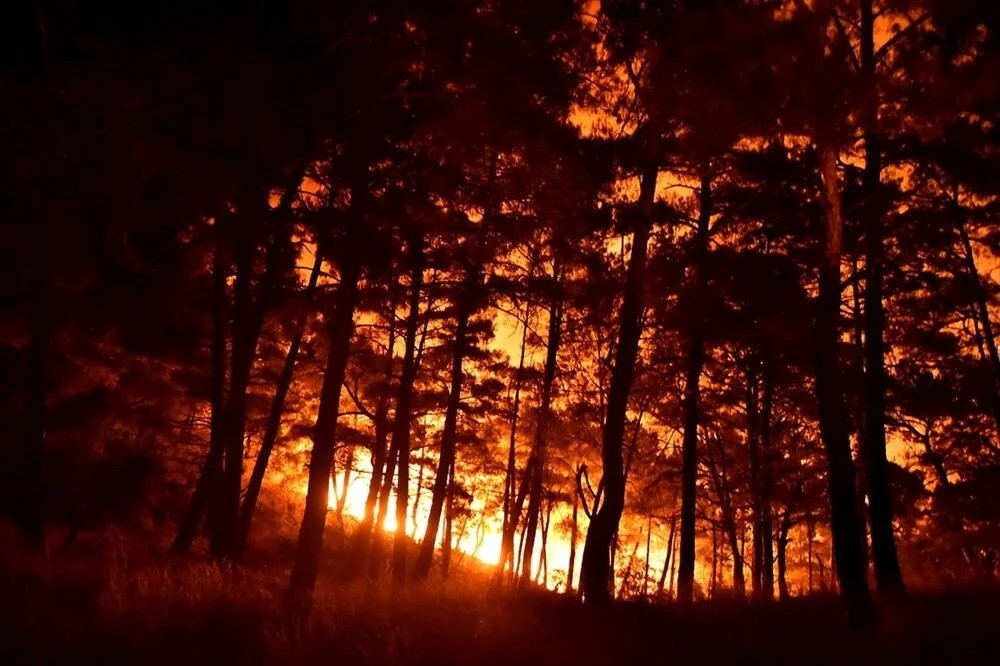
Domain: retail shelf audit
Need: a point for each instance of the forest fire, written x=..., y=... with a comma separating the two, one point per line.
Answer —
x=500, y=331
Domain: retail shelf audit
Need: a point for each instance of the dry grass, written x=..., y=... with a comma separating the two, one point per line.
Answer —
x=109, y=611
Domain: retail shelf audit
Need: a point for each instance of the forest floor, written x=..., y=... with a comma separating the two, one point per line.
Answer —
x=73, y=611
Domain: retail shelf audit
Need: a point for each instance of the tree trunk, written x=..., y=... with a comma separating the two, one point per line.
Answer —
x=782, y=550
x=696, y=354
x=715, y=562
x=382, y=427
x=571, y=570
x=859, y=409
x=404, y=405
x=753, y=448
x=544, y=555
x=645, y=573
x=604, y=524
x=380, y=436
x=211, y=471
x=667, y=558
x=342, y=494
x=449, y=433
x=810, y=533
x=446, y=535
x=274, y=417
x=884, y=557
x=541, y=430
x=378, y=534
x=982, y=311
x=416, y=500
x=510, y=518
x=845, y=526
x=766, y=481
x=720, y=479
x=341, y=330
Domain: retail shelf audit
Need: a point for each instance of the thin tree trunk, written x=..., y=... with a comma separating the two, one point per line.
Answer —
x=244, y=346
x=510, y=519
x=888, y=575
x=720, y=479
x=446, y=535
x=845, y=526
x=571, y=569
x=766, y=481
x=696, y=355
x=667, y=558
x=416, y=501
x=515, y=518
x=341, y=329
x=404, y=405
x=449, y=433
x=645, y=573
x=541, y=430
x=597, y=564
x=544, y=555
x=982, y=311
x=782, y=551
x=674, y=547
x=715, y=561
x=859, y=410
x=380, y=436
x=809, y=552
x=342, y=495
x=211, y=471
x=378, y=455
x=753, y=448
x=274, y=416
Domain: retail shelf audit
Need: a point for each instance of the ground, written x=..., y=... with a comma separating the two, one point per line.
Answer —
x=75, y=611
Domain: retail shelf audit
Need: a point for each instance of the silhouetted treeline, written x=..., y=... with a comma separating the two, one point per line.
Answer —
x=706, y=289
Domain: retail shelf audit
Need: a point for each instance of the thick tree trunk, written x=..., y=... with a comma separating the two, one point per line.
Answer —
x=211, y=471
x=845, y=526
x=884, y=557
x=449, y=433
x=597, y=562
x=404, y=405
x=696, y=354
x=541, y=429
x=274, y=418
x=341, y=329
